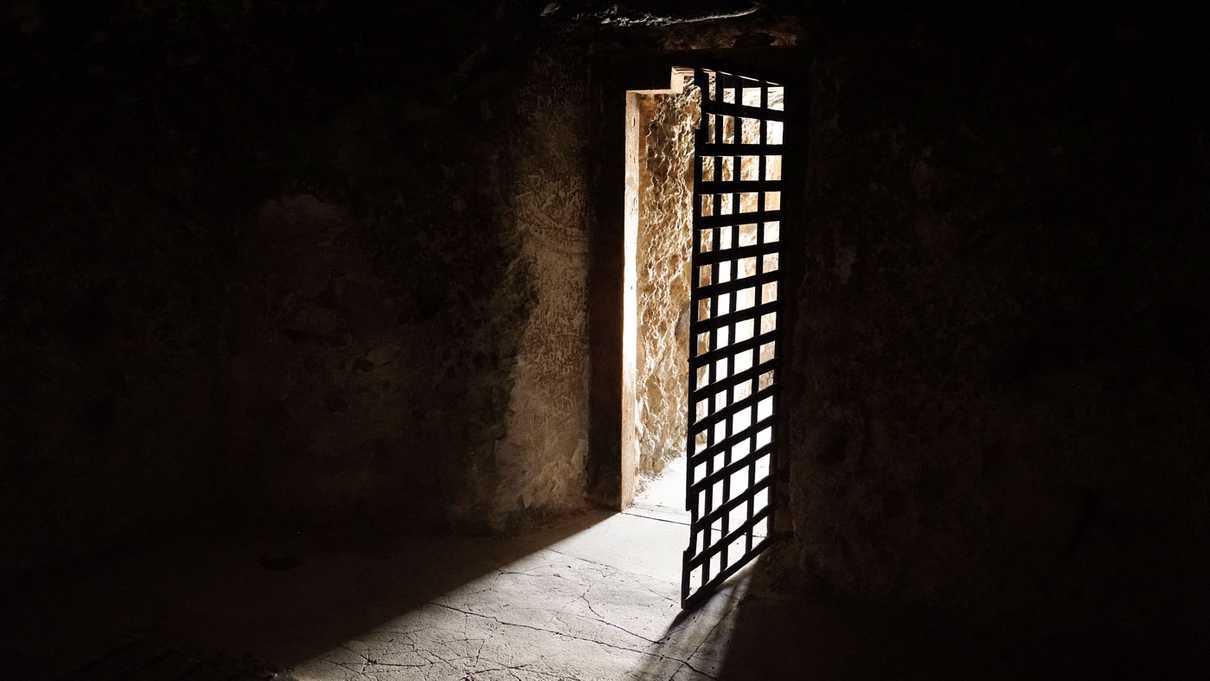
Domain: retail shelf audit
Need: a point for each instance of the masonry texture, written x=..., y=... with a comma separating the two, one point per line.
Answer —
x=667, y=124
x=417, y=361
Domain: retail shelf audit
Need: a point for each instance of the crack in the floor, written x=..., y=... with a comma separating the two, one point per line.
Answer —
x=364, y=659
x=528, y=669
x=401, y=665
x=506, y=668
x=369, y=661
x=605, y=644
x=531, y=574
x=700, y=644
x=468, y=669
x=359, y=673
x=609, y=571
x=607, y=568
x=584, y=597
x=599, y=618
x=482, y=642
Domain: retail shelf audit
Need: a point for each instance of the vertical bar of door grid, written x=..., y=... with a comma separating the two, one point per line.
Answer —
x=711, y=371
x=699, y=80
x=726, y=361
x=775, y=403
x=760, y=268
x=729, y=369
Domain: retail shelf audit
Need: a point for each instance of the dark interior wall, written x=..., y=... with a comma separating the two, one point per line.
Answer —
x=1000, y=351
x=113, y=261
x=287, y=264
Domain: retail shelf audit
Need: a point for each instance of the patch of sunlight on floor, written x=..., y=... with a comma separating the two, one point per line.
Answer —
x=600, y=604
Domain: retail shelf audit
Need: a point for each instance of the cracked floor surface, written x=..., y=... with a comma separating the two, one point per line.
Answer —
x=594, y=597
x=601, y=603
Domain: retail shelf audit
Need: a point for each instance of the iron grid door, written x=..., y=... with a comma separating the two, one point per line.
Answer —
x=734, y=303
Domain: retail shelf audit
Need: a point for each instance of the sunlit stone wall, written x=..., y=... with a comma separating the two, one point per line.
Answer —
x=667, y=124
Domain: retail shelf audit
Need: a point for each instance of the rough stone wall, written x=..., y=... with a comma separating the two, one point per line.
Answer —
x=542, y=457
x=422, y=360
x=662, y=257
x=293, y=264
x=1001, y=330
x=353, y=394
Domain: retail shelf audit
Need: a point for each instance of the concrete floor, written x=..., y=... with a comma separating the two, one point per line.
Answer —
x=591, y=597
x=599, y=604
x=595, y=597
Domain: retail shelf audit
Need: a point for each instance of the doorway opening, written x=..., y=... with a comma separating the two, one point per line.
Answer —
x=660, y=130
x=701, y=310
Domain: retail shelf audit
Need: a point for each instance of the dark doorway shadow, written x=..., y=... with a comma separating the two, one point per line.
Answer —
x=763, y=631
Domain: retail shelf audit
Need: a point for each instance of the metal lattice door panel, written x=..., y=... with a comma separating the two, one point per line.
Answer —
x=733, y=346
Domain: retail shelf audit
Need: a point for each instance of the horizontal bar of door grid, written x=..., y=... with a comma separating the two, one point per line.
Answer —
x=731, y=468
x=733, y=219
x=702, y=425
x=711, y=323
x=731, y=350
x=711, y=390
x=703, y=523
x=729, y=442
x=717, y=546
x=713, y=106
x=711, y=290
x=706, y=187
x=737, y=253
